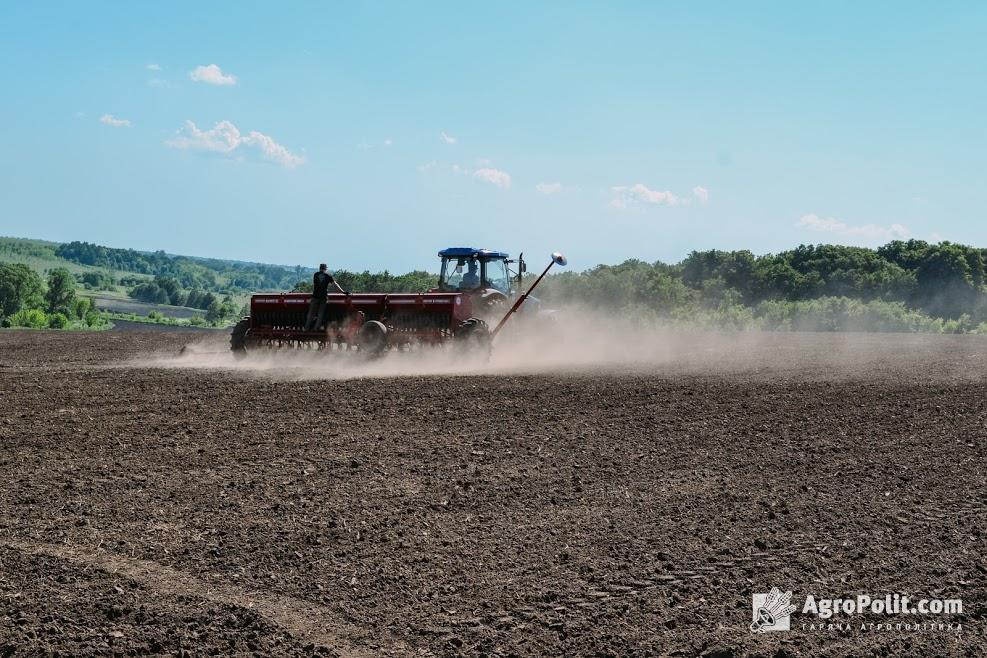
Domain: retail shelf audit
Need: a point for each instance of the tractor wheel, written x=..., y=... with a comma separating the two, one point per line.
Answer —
x=372, y=338
x=473, y=337
x=238, y=338
x=492, y=306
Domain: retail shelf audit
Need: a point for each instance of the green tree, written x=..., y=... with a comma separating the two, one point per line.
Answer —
x=837, y=270
x=96, y=279
x=171, y=288
x=20, y=287
x=946, y=283
x=194, y=298
x=228, y=308
x=199, y=299
x=82, y=306
x=60, y=297
x=905, y=254
x=95, y=319
x=207, y=300
x=215, y=312
x=775, y=278
x=33, y=318
x=735, y=268
x=57, y=321
x=150, y=293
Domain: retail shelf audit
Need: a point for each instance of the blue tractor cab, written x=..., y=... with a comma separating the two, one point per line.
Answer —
x=468, y=269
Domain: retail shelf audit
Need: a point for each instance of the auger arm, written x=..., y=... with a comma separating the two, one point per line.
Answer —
x=557, y=258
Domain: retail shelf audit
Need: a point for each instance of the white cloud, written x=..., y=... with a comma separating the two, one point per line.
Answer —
x=212, y=75
x=153, y=67
x=111, y=120
x=630, y=196
x=388, y=142
x=549, y=188
x=485, y=174
x=701, y=193
x=448, y=139
x=865, y=231
x=493, y=176
x=226, y=138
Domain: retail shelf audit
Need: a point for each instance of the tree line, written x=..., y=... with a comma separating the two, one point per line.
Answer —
x=190, y=273
x=27, y=300
x=904, y=285
x=913, y=281
x=221, y=276
x=166, y=290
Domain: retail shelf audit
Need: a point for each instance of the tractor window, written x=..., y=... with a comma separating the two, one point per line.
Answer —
x=460, y=274
x=496, y=275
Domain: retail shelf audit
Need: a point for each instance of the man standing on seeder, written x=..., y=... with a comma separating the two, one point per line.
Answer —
x=321, y=281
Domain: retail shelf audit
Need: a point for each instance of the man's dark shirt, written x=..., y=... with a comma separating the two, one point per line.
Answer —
x=320, y=285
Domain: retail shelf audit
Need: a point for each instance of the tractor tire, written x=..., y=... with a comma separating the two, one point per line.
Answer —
x=473, y=338
x=238, y=338
x=492, y=306
x=372, y=338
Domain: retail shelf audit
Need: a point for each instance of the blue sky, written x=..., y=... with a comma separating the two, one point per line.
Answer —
x=371, y=134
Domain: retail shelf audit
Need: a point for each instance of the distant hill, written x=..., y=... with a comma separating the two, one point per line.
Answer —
x=202, y=273
x=129, y=268
x=190, y=272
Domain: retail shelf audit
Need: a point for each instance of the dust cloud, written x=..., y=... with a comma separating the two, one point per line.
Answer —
x=581, y=342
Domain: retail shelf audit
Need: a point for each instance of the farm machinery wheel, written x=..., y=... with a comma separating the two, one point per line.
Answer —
x=372, y=337
x=492, y=305
x=238, y=338
x=473, y=337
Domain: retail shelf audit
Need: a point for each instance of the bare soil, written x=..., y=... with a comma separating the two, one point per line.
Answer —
x=629, y=510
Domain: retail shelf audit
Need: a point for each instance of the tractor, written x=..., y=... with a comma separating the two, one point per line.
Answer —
x=483, y=275
x=474, y=289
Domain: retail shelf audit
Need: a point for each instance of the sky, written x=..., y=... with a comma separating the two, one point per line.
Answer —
x=369, y=135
